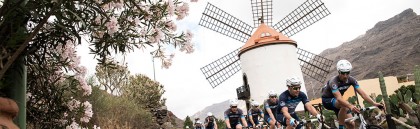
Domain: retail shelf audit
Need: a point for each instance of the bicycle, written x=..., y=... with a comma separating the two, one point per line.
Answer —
x=363, y=123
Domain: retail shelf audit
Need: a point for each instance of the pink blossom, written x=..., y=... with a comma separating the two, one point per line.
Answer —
x=171, y=25
x=171, y=9
x=119, y=4
x=166, y=63
x=98, y=19
x=137, y=21
x=112, y=25
x=73, y=125
x=182, y=11
x=73, y=104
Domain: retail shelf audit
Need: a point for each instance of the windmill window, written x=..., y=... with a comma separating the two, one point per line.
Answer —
x=265, y=34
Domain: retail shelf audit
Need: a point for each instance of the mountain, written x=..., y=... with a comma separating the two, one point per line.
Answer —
x=217, y=110
x=391, y=46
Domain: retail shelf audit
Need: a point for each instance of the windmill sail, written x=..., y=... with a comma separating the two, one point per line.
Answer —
x=224, y=23
x=305, y=15
x=316, y=67
x=262, y=9
x=222, y=69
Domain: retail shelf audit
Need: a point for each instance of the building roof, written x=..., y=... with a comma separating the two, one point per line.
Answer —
x=265, y=35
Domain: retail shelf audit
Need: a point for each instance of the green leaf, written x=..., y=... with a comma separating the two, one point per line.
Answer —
x=400, y=97
x=378, y=98
x=407, y=96
x=394, y=100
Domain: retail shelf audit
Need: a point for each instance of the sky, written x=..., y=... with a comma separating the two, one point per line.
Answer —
x=187, y=90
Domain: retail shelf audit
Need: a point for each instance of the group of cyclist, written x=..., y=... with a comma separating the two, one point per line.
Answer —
x=280, y=110
x=209, y=122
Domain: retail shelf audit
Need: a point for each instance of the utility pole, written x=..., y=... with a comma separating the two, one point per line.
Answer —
x=153, y=60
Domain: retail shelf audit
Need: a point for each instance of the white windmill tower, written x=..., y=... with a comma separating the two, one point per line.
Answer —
x=268, y=56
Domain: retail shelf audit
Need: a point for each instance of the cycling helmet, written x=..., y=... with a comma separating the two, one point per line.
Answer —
x=233, y=102
x=293, y=81
x=209, y=114
x=255, y=103
x=344, y=66
x=272, y=93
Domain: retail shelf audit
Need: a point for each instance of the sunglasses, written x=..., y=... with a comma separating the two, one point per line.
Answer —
x=233, y=106
x=273, y=96
x=296, y=88
x=344, y=73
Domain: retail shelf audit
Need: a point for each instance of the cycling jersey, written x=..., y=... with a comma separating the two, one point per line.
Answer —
x=291, y=102
x=254, y=113
x=234, y=117
x=335, y=84
x=272, y=105
x=210, y=122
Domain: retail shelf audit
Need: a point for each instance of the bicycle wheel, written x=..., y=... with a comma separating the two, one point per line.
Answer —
x=373, y=127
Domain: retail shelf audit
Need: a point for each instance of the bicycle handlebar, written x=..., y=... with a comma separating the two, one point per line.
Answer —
x=351, y=119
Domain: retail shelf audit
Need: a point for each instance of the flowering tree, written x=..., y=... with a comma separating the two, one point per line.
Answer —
x=46, y=32
x=112, y=78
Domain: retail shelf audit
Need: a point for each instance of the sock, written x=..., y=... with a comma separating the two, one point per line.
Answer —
x=341, y=127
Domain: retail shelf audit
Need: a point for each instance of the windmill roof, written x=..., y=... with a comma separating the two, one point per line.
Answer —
x=264, y=35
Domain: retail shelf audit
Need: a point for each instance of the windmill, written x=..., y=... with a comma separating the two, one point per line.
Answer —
x=268, y=56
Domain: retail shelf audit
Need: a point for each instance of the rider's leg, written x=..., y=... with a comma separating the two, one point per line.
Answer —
x=239, y=126
x=343, y=114
x=272, y=124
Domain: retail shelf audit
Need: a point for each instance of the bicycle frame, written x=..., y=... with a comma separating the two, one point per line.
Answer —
x=363, y=123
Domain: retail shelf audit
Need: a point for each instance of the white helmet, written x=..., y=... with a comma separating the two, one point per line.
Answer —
x=344, y=66
x=209, y=114
x=272, y=93
x=233, y=102
x=255, y=103
x=293, y=81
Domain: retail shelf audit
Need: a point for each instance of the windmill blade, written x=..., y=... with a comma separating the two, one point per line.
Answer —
x=223, y=68
x=224, y=23
x=262, y=9
x=305, y=15
x=314, y=66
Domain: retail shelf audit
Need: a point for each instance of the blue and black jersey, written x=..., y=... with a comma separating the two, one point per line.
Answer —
x=335, y=84
x=291, y=102
x=255, y=113
x=272, y=105
x=234, y=117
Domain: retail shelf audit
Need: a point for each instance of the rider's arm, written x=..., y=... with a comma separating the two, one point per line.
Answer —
x=227, y=121
x=311, y=109
x=244, y=121
x=285, y=112
x=214, y=123
x=364, y=95
x=250, y=118
x=268, y=109
x=308, y=106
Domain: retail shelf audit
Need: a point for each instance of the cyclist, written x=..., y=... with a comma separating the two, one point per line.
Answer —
x=288, y=101
x=210, y=121
x=334, y=89
x=234, y=116
x=270, y=112
x=198, y=125
x=254, y=113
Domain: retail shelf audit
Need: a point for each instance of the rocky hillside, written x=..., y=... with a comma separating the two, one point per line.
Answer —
x=391, y=46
